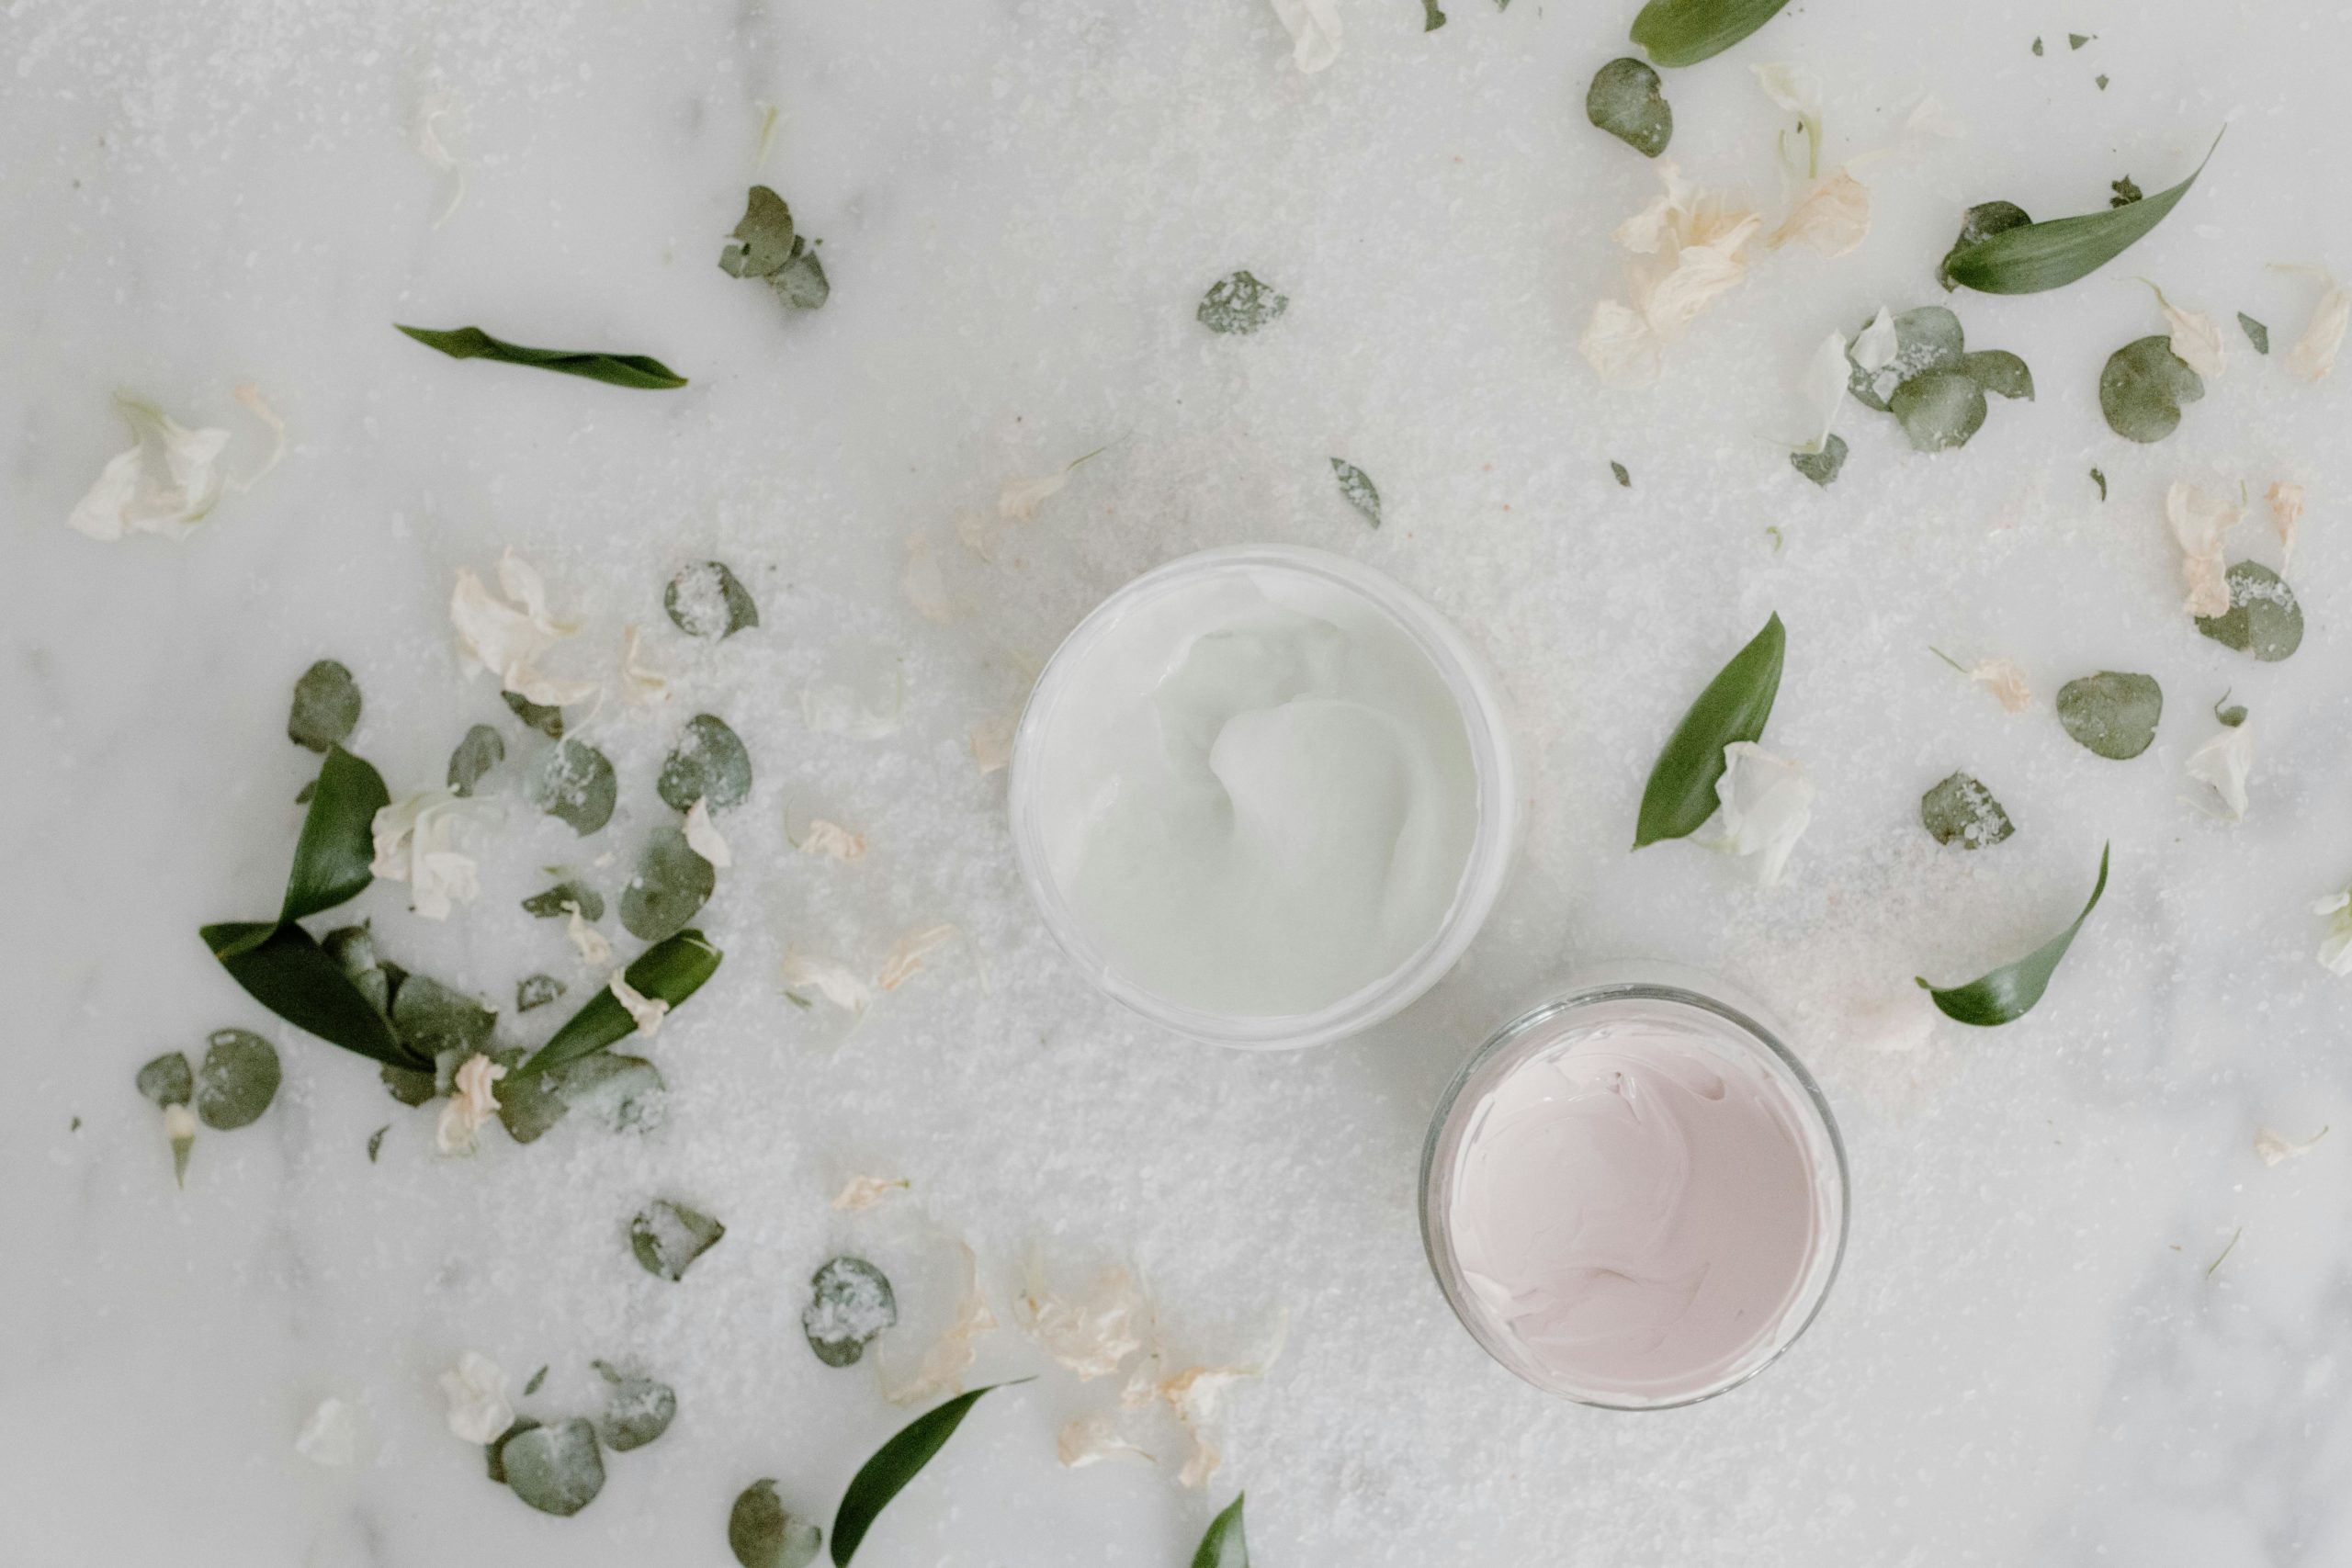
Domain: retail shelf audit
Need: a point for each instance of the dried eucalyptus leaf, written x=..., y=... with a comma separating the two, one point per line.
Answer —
x=238, y=1079
x=1927, y=338
x=763, y=1534
x=528, y=1107
x=1822, y=467
x=1998, y=371
x=1938, y=409
x=1961, y=811
x=2256, y=333
x=167, y=1080
x=326, y=707
x=668, y=1237
x=546, y=720
x=551, y=904
x=1618, y=471
x=626, y=1092
x=492, y=1461
x=480, y=751
x=556, y=1470
x=1980, y=222
x=2113, y=714
x=535, y=991
x=1357, y=490
x=1239, y=304
x=2142, y=387
x=1432, y=16
x=670, y=884
x=411, y=1086
x=2127, y=191
x=573, y=782
x=432, y=1018
x=636, y=1409
x=850, y=1306
x=762, y=241
x=2263, y=618
x=1627, y=100
x=707, y=765
x=801, y=282
x=709, y=601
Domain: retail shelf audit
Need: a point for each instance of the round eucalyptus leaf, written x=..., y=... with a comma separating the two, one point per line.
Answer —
x=1822, y=467
x=238, y=1079
x=167, y=1080
x=636, y=1410
x=1927, y=338
x=432, y=1018
x=528, y=1107
x=851, y=1303
x=2113, y=714
x=1938, y=409
x=1980, y=222
x=353, y=947
x=2142, y=387
x=626, y=1091
x=548, y=721
x=667, y=1236
x=574, y=783
x=707, y=600
x=763, y=1534
x=2263, y=619
x=1961, y=811
x=326, y=707
x=1627, y=101
x=489, y=1450
x=556, y=1470
x=1237, y=304
x=670, y=884
x=481, y=751
x=708, y=764
x=1999, y=372
x=410, y=1086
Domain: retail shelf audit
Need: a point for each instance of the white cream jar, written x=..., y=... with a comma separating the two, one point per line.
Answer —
x=1264, y=795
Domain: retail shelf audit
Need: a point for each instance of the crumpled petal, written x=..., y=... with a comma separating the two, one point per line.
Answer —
x=1696, y=245
x=2195, y=339
x=1092, y=1335
x=2222, y=765
x=507, y=637
x=2201, y=521
x=166, y=483
x=1766, y=802
x=2314, y=355
x=832, y=840
x=703, y=836
x=472, y=1101
x=864, y=1192
x=646, y=1012
x=836, y=982
x=594, y=951
x=1092, y=1438
x=476, y=1389
x=1313, y=28
x=1833, y=218
x=2006, y=681
x=903, y=961
x=2336, y=948
x=415, y=843
x=941, y=1371
x=2285, y=510
x=2274, y=1150
x=641, y=685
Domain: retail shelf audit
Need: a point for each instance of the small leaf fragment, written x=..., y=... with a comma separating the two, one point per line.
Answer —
x=1999, y=372
x=1683, y=32
x=707, y=600
x=573, y=782
x=2256, y=333
x=537, y=1377
x=636, y=1409
x=763, y=1534
x=708, y=764
x=326, y=707
x=1357, y=490
x=167, y=1080
x=2231, y=717
x=2142, y=387
x=850, y=1305
x=375, y=1142
x=2077, y=40
x=1938, y=410
x=1627, y=101
x=894, y=1464
x=476, y=755
x=1223, y=1545
x=2009, y=992
x=559, y=901
x=556, y=1469
x=535, y=991
x=2126, y=193
x=2100, y=479
x=2263, y=618
x=1681, y=794
x=545, y=717
x=668, y=1237
x=2113, y=714
x=638, y=371
x=1624, y=480
x=1822, y=467
x=237, y=1080
x=1961, y=811
x=672, y=883
x=1238, y=305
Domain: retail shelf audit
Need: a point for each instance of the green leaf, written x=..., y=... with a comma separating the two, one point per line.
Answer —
x=412, y=1087
x=707, y=600
x=2126, y=192
x=375, y=1142
x=537, y=1377
x=1938, y=410
x=535, y=991
x=549, y=905
x=2077, y=40
x=1927, y=338
x=1236, y=304
x=1222, y=1545
x=547, y=720
x=528, y=1107
x=2142, y=386
x=669, y=971
x=1822, y=467
x=762, y=1534
x=2256, y=333
x=850, y=1305
x=1999, y=372
x=2037, y=46
x=573, y=782
x=2009, y=992
x=238, y=1079
x=480, y=751
x=556, y=1470
x=1681, y=794
x=634, y=370
x=2263, y=618
x=894, y=1464
x=1433, y=19
x=1961, y=811
x=338, y=843
x=1357, y=490
x=670, y=884
x=1980, y=222
x=1627, y=101
x=2031, y=257
x=2229, y=717
x=669, y=1237
x=707, y=765
x=282, y=968
x=432, y=1018
x=326, y=707
x=1683, y=32
x=764, y=246
x=2100, y=479
x=1618, y=471
x=2113, y=714
x=626, y=1092
x=491, y=1451
x=636, y=1409
x=167, y=1080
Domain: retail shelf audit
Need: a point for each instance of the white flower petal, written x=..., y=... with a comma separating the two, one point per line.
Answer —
x=702, y=836
x=2314, y=355
x=906, y=958
x=864, y=1192
x=641, y=685
x=1833, y=219
x=331, y=1436
x=472, y=1101
x=1619, y=344
x=2222, y=765
x=1313, y=28
x=2006, y=683
x=941, y=1371
x=476, y=1389
x=1875, y=346
x=2274, y=1150
x=1092, y=1335
x=832, y=840
x=1766, y=802
x=1089, y=1439
x=836, y=982
x=2195, y=339
x=2201, y=521
x=594, y=951
x=507, y=639
x=646, y=1012
x=415, y=841
x=166, y=483
x=1821, y=392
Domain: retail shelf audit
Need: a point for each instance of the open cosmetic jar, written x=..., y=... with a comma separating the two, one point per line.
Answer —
x=1264, y=795
x=1634, y=1195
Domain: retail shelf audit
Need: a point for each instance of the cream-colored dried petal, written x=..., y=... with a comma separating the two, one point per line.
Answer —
x=2005, y=681
x=831, y=839
x=833, y=981
x=473, y=1102
x=2274, y=1150
x=1092, y=1335
x=2201, y=521
x=941, y=1371
x=992, y=742
x=594, y=951
x=641, y=685
x=703, y=836
x=646, y=1012
x=415, y=843
x=249, y=395
x=1019, y=498
x=2195, y=339
x=864, y=1192
x=476, y=1390
x=1833, y=219
x=1089, y=1439
x=2286, y=512
x=905, y=960
x=2314, y=355
x=167, y=482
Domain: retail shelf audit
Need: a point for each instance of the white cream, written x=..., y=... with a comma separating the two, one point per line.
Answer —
x=1645, y=1207
x=1257, y=790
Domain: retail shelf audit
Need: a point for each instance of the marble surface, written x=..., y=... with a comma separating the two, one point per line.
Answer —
x=2030, y=1357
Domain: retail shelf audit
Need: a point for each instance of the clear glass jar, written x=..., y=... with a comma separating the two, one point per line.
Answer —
x=1495, y=840
x=1692, y=1005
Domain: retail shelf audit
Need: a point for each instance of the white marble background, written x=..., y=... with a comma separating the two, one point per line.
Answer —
x=2025, y=1360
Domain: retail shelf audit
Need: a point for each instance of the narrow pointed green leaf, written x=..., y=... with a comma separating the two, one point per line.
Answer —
x=1223, y=1545
x=894, y=1464
x=1681, y=789
x=2009, y=992
x=338, y=844
x=2032, y=258
x=634, y=370
x=1683, y=32
x=669, y=971
x=283, y=969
